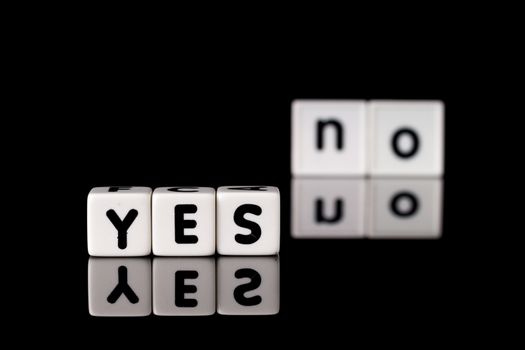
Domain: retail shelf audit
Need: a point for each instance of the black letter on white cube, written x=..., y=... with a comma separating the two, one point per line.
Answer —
x=119, y=188
x=321, y=125
x=248, y=188
x=239, y=219
x=405, y=132
x=181, y=224
x=122, y=225
x=183, y=189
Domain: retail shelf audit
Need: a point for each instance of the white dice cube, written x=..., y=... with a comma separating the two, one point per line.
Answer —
x=406, y=208
x=183, y=221
x=184, y=286
x=119, y=221
x=119, y=286
x=248, y=220
x=248, y=285
x=329, y=137
x=406, y=138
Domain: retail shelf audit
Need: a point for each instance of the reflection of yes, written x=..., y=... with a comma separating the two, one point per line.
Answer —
x=183, y=286
x=355, y=208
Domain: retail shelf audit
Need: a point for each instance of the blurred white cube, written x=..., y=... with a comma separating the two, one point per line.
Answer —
x=329, y=137
x=406, y=138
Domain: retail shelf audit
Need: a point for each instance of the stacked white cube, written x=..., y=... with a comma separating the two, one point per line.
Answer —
x=376, y=138
x=181, y=221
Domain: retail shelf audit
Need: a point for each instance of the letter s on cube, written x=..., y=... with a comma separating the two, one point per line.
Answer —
x=248, y=220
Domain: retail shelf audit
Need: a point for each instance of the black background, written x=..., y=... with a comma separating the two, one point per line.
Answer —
x=209, y=111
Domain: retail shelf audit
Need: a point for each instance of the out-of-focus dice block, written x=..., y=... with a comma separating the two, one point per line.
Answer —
x=406, y=138
x=329, y=137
